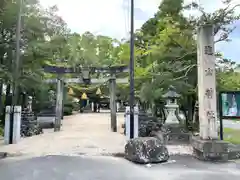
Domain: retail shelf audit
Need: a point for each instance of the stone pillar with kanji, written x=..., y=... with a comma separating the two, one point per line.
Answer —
x=207, y=145
x=207, y=83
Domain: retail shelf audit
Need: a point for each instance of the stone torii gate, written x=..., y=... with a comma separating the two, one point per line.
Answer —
x=85, y=78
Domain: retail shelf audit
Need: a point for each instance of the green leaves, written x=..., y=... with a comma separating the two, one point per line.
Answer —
x=42, y=38
x=168, y=47
x=229, y=81
x=165, y=48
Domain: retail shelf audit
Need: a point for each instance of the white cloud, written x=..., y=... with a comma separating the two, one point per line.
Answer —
x=108, y=16
x=105, y=16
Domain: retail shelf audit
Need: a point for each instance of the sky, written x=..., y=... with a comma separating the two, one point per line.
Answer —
x=111, y=18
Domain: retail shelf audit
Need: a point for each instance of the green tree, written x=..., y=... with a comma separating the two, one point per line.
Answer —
x=168, y=49
x=40, y=27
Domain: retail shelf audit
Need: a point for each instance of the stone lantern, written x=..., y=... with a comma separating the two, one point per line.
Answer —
x=29, y=103
x=171, y=105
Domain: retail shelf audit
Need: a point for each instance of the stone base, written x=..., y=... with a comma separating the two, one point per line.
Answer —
x=234, y=154
x=175, y=133
x=234, y=151
x=180, y=138
x=209, y=150
x=122, y=109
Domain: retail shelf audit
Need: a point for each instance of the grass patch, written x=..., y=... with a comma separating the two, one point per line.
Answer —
x=232, y=135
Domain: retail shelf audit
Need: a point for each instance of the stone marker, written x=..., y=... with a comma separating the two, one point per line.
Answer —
x=146, y=150
x=207, y=146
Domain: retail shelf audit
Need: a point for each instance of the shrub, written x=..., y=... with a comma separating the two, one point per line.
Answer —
x=1, y=131
x=67, y=111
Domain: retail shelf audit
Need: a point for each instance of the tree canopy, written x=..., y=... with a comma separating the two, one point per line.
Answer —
x=165, y=49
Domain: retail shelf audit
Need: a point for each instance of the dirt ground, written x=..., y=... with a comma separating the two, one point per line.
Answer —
x=81, y=134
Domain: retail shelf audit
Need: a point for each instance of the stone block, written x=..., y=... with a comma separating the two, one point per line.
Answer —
x=146, y=150
x=175, y=133
x=209, y=150
x=233, y=152
x=174, y=128
x=178, y=138
x=46, y=121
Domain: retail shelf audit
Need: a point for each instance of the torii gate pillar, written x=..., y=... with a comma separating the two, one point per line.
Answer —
x=113, y=105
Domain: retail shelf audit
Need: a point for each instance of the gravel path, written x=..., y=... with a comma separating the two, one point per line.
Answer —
x=81, y=134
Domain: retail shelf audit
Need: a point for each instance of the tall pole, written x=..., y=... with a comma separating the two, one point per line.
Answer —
x=131, y=68
x=15, y=69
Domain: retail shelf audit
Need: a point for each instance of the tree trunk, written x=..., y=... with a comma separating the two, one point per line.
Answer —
x=1, y=89
x=1, y=97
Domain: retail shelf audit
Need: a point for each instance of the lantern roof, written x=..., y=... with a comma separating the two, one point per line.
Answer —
x=171, y=93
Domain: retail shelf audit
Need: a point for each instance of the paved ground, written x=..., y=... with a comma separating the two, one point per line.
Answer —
x=109, y=168
x=81, y=151
x=231, y=124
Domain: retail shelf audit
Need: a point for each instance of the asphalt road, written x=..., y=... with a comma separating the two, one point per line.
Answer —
x=81, y=133
x=231, y=124
x=111, y=168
